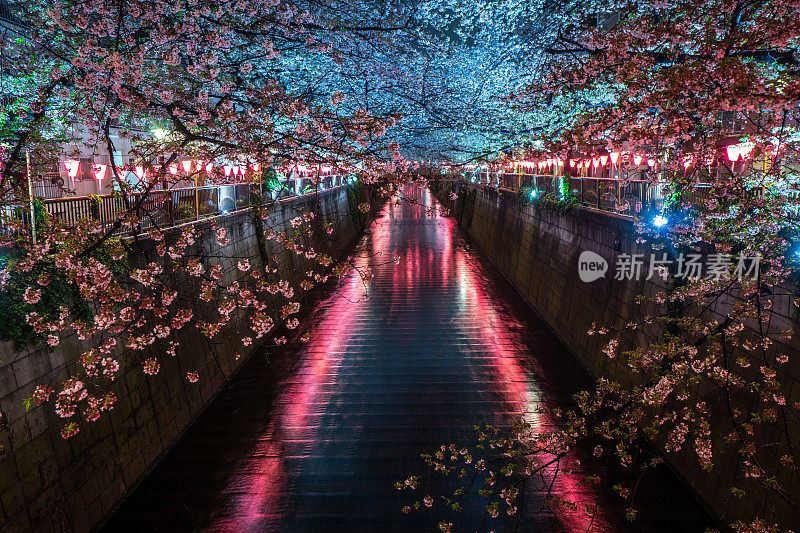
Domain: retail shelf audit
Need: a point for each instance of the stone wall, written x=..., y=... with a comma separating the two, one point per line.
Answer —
x=51, y=484
x=538, y=250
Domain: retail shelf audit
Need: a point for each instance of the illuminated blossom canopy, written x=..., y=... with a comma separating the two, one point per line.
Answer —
x=363, y=86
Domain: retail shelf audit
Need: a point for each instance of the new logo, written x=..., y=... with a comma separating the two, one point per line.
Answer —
x=591, y=266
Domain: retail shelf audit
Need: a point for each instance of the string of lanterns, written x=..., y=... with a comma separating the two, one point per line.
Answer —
x=735, y=152
x=100, y=171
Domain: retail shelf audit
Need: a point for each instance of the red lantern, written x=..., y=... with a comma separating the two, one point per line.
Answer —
x=140, y=172
x=99, y=172
x=73, y=166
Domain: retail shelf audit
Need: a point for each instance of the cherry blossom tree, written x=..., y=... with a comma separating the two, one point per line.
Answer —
x=709, y=92
x=218, y=79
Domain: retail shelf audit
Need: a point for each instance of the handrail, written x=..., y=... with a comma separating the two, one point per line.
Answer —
x=618, y=196
x=163, y=207
x=152, y=191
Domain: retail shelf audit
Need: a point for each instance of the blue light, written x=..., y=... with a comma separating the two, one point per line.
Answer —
x=660, y=221
x=533, y=193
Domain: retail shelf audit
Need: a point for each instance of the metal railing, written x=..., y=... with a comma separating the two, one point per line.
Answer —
x=626, y=197
x=162, y=208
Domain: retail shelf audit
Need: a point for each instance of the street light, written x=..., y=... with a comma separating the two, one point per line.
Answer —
x=660, y=221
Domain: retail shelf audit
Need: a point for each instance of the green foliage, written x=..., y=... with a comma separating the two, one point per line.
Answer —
x=183, y=211
x=41, y=215
x=28, y=402
x=56, y=291
x=547, y=200
x=94, y=206
x=271, y=180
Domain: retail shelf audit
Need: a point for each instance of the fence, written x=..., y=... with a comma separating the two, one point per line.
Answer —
x=162, y=208
x=624, y=197
x=629, y=197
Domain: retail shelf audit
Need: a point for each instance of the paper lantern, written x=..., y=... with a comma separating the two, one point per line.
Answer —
x=256, y=167
x=736, y=151
x=614, y=157
x=637, y=159
x=603, y=160
x=651, y=163
x=99, y=171
x=209, y=168
x=140, y=172
x=73, y=166
x=571, y=163
x=187, y=166
x=173, y=168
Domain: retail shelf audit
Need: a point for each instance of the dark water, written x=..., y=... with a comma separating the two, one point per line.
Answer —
x=314, y=439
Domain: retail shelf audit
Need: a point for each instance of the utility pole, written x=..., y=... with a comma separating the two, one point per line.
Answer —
x=30, y=194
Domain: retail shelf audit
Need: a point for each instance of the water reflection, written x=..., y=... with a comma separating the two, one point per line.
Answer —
x=411, y=356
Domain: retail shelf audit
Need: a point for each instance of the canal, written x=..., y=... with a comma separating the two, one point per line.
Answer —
x=424, y=340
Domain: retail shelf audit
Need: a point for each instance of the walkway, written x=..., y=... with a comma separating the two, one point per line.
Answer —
x=314, y=439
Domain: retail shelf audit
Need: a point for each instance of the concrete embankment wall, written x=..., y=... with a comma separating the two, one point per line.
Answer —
x=538, y=250
x=51, y=484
